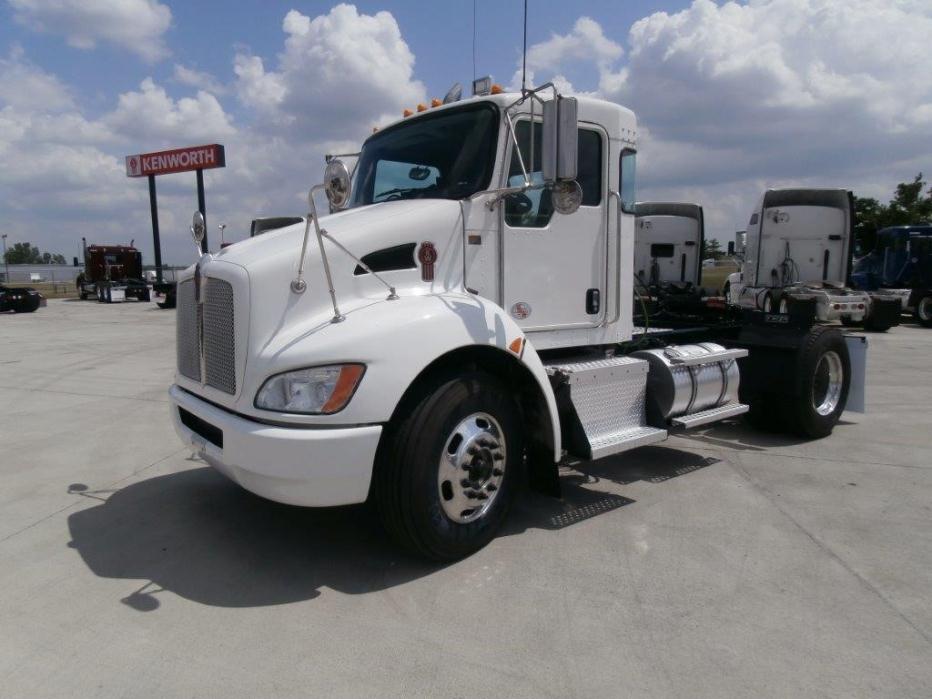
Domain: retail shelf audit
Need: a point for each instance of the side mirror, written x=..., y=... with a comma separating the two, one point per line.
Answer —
x=560, y=140
x=337, y=184
x=198, y=228
x=731, y=247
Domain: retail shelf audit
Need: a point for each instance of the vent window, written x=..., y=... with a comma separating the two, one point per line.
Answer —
x=388, y=259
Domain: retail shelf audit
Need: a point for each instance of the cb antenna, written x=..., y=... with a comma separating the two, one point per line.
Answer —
x=474, y=40
x=524, y=55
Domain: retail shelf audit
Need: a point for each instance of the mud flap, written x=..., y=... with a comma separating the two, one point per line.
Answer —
x=857, y=353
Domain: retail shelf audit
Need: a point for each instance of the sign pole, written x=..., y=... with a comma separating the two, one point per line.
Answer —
x=201, y=206
x=156, y=243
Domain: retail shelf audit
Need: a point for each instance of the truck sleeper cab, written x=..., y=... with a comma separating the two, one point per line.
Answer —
x=799, y=248
x=460, y=324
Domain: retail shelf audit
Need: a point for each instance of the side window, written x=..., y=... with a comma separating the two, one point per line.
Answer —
x=661, y=250
x=589, y=173
x=534, y=208
x=753, y=221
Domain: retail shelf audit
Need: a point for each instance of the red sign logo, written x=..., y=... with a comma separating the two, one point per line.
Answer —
x=427, y=256
x=178, y=160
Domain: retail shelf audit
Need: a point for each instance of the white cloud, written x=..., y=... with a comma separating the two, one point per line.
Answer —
x=134, y=25
x=199, y=79
x=735, y=97
x=149, y=116
x=339, y=73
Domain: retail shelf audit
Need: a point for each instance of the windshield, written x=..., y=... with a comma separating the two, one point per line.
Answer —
x=448, y=155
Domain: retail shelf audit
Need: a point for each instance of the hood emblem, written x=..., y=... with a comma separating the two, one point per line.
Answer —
x=427, y=256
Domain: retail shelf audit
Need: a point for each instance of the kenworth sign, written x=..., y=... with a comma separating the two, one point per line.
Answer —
x=178, y=160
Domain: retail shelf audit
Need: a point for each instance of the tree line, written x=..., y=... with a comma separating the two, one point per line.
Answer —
x=911, y=204
x=28, y=254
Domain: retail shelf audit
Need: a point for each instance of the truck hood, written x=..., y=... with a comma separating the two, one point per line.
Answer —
x=271, y=261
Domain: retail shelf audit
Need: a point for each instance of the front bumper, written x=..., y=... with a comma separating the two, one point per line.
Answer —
x=313, y=467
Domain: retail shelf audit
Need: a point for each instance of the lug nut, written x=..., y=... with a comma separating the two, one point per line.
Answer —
x=497, y=472
x=491, y=487
x=482, y=496
x=466, y=483
x=498, y=456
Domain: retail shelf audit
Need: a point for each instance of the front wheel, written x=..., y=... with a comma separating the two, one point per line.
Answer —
x=449, y=470
x=923, y=312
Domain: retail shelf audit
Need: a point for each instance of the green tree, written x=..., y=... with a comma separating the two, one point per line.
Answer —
x=911, y=203
x=712, y=248
x=28, y=254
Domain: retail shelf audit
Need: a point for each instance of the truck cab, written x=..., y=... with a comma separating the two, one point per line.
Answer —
x=461, y=323
x=668, y=243
x=900, y=265
x=798, y=249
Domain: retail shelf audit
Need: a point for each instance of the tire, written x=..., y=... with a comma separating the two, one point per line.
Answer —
x=108, y=295
x=786, y=303
x=83, y=295
x=823, y=377
x=726, y=292
x=417, y=486
x=768, y=303
x=145, y=296
x=923, y=312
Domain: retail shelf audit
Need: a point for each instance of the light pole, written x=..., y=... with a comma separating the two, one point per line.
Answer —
x=6, y=262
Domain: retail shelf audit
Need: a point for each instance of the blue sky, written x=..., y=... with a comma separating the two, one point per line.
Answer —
x=731, y=97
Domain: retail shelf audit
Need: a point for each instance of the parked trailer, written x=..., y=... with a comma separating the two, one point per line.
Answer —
x=799, y=247
x=463, y=323
x=900, y=265
x=112, y=273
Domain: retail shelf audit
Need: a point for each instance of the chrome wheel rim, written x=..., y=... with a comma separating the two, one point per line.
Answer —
x=784, y=306
x=925, y=308
x=768, y=304
x=471, y=468
x=827, y=382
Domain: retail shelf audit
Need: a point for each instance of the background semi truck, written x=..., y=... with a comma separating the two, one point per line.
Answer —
x=462, y=324
x=900, y=265
x=112, y=273
x=799, y=248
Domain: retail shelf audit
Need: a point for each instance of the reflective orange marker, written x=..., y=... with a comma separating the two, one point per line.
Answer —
x=516, y=345
x=435, y=102
x=407, y=112
x=496, y=89
x=422, y=107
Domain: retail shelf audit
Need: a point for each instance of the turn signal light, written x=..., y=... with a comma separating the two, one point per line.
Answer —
x=346, y=386
x=496, y=89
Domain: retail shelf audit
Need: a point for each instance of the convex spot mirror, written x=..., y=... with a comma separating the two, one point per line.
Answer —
x=337, y=184
x=560, y=143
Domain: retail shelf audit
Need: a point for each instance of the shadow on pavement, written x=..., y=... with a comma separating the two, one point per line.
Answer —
x=200, y=536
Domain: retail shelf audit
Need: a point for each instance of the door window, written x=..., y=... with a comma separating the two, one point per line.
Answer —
x=534, y=208
x=628, y=185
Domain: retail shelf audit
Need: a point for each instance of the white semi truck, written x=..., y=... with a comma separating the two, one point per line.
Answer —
x=799, y=248
x=462, y=324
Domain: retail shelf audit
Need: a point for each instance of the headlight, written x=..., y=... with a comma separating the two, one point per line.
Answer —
x=316, y=390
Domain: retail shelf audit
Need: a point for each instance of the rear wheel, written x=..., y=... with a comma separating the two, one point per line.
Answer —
x=823, y=377
x=448, y=472
x=923, y=312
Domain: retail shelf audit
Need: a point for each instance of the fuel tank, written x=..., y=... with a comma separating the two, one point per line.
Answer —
x=687, y=379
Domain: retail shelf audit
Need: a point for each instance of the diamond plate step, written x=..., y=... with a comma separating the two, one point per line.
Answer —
x=608, y=396
x=706, y=416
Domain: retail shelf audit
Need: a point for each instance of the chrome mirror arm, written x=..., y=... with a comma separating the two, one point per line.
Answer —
x=298, y=285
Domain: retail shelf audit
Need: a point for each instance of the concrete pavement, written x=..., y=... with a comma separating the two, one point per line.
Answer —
x=723, y=563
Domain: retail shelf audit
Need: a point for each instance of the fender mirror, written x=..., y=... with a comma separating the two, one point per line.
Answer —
x=337, y=184
x=560, y=140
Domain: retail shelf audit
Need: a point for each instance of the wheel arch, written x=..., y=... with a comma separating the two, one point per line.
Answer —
x=535, y=399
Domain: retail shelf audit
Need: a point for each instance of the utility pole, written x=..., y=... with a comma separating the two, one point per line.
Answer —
x=6, y=262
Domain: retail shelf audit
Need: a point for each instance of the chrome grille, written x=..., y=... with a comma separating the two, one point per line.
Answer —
x=219, y=340
x=188, y=337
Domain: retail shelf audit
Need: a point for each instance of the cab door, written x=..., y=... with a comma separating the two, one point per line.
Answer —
x=554, y=265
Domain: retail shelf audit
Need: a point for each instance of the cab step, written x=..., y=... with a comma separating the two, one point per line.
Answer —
x=704, y=417
x=607, y=396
